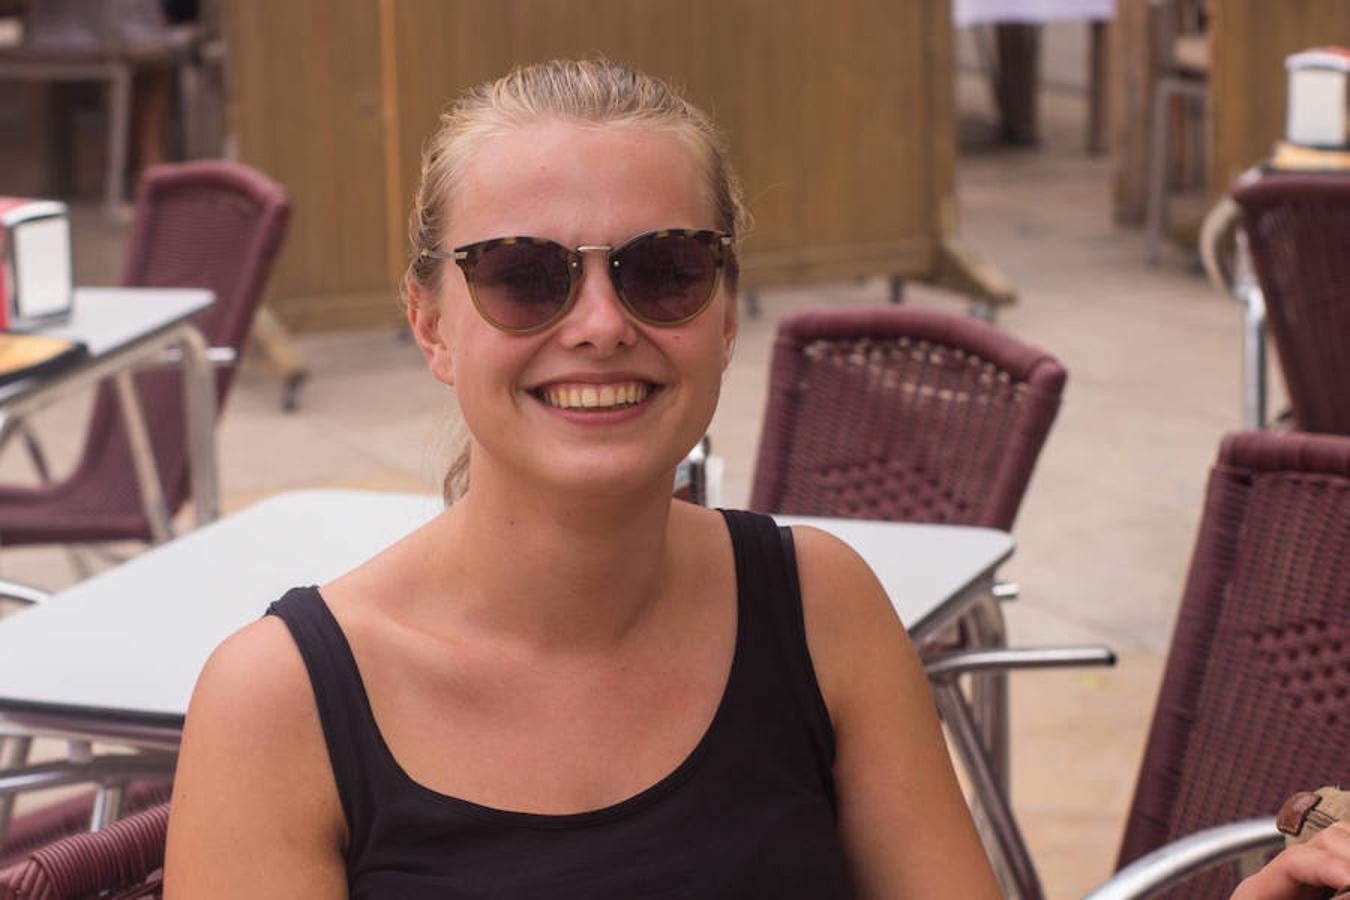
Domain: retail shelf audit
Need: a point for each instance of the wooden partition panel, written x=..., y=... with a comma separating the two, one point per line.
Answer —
x=306, y=109
x=839, y=117
x=1250, y=41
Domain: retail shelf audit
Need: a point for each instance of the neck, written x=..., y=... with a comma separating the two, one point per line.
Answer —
x=551, y=568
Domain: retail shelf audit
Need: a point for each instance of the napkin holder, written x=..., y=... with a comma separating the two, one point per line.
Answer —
x=1318, y=108
x=36, y=263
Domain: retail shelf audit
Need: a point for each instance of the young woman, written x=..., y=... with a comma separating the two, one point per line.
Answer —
x=568, y=685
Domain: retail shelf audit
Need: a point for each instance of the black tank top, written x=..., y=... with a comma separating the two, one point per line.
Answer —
x=750, y=813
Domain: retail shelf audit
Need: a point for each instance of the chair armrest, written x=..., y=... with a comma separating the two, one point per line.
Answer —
x=23, y=593
x=1189, y=856
x=101, y=770
x=216, y=356
x=953, y=665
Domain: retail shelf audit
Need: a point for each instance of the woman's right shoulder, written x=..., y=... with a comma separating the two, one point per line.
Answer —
x=253, y=779
x=253, y=704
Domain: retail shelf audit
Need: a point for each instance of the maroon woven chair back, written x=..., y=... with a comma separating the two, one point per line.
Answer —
x=113, y=863
x=1298, y=227
x=216, y=225
x=898, y=413
x=1255, y=699
x=63, y=818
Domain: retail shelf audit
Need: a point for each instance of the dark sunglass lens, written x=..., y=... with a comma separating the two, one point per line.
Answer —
x=666, y=278
x=521, y=285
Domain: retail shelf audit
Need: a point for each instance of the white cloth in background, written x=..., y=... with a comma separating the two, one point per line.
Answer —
x=978, y=12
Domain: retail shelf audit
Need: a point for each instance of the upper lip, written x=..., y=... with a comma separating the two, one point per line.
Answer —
x=593, y=378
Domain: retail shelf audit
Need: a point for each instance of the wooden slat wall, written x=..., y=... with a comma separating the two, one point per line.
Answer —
x=1131, y=108
x=306, y=108
x=1250, y=40
x=839, y=117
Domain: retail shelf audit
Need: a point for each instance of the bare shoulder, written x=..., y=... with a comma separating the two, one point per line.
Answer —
x=253, y=781
x=257, y=680
x=846, y=610
x=902, y=818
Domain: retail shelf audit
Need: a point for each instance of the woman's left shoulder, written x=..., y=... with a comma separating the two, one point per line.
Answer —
x=852, y=629
x=836, y=582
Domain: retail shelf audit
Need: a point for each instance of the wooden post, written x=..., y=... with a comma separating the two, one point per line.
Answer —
x=1018, y=54
x=1098, y=102
x=1132, y=76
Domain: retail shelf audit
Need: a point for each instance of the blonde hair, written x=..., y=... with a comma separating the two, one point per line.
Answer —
x=584, y=92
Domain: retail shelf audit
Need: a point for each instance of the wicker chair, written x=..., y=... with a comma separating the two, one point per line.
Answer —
x=118, y=863
x=1255, y=699
x=902, y=414
x=73, y=815
x=1298, y=231
x=216, y=225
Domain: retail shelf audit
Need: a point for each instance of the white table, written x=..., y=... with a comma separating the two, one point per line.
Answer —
x=117, y=656
x=982, y=12
x=125, y=328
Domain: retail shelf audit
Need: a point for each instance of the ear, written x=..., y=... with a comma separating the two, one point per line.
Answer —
x=427, y=326
x=729, y=325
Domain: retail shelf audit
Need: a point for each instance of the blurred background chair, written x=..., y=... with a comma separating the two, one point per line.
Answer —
x=123, y=784
x=1297, y=230
x=109, y=42
x=1182, y=54
x=1255, y=699
x=119, y=862
x=215, y=225
x=902, y=414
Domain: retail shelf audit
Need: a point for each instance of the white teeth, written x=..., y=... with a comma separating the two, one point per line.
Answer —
x=589, y=396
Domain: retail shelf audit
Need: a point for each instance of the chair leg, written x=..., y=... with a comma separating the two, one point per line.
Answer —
x=119, y=134
x=897, y=289
x=989, y=691
x=1009, y=853
x=143, y=456
x=189, y=107
x=35, y=452
x=109, y=801
x=77, y=562
x=1248, y=290
x=1157, y=172
x=14, y=750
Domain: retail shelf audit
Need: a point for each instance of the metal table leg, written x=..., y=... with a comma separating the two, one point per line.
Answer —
x=1248, y=290
x=199, y=397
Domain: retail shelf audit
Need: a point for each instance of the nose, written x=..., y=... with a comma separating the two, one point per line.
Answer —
x=598, y=319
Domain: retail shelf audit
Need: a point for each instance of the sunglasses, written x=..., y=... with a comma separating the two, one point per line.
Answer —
x=522, y=285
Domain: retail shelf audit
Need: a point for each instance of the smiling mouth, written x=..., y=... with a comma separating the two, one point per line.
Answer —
x=597, y=397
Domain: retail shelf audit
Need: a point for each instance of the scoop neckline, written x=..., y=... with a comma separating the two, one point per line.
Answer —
x=643, y=798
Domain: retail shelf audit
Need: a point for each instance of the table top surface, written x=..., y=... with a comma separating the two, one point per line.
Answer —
x=974, y=12
x=127, y=644
x=112, y=319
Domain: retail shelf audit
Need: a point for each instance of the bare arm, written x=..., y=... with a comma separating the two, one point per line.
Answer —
x=255, y=811
x=903, y=820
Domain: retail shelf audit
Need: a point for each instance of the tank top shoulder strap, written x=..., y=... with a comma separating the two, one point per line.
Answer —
x=773, y=626
x=350, y=732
